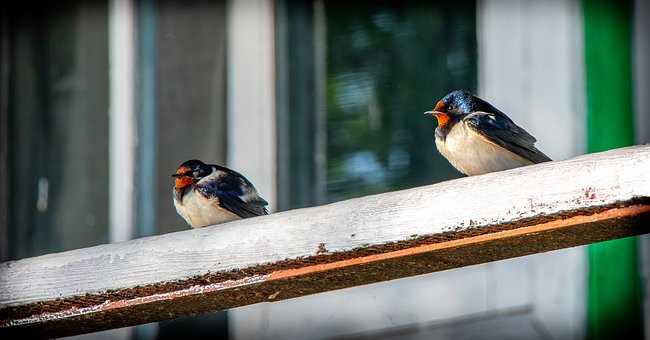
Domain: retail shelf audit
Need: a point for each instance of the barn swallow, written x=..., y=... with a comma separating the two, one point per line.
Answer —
x=477, y=138
x=207, y=194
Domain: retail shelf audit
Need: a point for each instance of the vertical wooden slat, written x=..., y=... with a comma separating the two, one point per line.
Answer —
x=147, y=122
x=320, y=102
x=251, y=93
x=5, y=74
x=122, y=120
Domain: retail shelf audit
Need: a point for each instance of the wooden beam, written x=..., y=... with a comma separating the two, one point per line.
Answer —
x=350, y=243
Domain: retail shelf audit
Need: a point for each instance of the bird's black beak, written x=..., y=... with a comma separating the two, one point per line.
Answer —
x=438, y=110
x=433, y=113
x=176, y=175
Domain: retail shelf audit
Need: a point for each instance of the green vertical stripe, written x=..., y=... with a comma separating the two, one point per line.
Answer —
x=608, y=59
x=614, y=288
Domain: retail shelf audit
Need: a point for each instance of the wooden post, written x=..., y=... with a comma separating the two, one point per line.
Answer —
x=5, y=69
x=350, y=243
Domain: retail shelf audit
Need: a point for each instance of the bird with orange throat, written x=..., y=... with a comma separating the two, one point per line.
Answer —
x=477, y=138
x=207, y=194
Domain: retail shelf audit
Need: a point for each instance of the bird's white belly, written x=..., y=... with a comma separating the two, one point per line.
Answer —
x=199, y=211
x=472, y=154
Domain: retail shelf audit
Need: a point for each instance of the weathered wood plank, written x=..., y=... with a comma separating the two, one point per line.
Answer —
x=376, y=238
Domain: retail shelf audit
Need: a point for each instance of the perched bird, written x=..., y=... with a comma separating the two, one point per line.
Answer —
x=206, y=194
x=477, y=138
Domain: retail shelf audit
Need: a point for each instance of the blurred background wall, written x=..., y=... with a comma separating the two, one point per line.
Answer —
x=318, y=101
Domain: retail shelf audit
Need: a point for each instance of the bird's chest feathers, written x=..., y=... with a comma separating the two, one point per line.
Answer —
x=200, y=211
x=472, y=154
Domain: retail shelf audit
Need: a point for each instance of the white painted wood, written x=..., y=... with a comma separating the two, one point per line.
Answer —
x=532, y=69
x=586, y=181
x=122, y=120
x=251, y=93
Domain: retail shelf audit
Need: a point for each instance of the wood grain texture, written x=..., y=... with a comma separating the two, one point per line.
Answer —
x=376, y=238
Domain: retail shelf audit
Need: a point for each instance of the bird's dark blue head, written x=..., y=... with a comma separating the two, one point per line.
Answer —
x=190, y=172
x=456, y=105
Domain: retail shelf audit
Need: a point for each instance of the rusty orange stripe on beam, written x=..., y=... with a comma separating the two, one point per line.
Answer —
x=563, y=223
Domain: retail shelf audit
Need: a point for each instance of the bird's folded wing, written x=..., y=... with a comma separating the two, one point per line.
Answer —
x=499, y=129
x=235, y=194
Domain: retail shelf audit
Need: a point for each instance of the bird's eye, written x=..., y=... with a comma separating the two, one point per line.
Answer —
x=196, y=173
x=451, y=108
